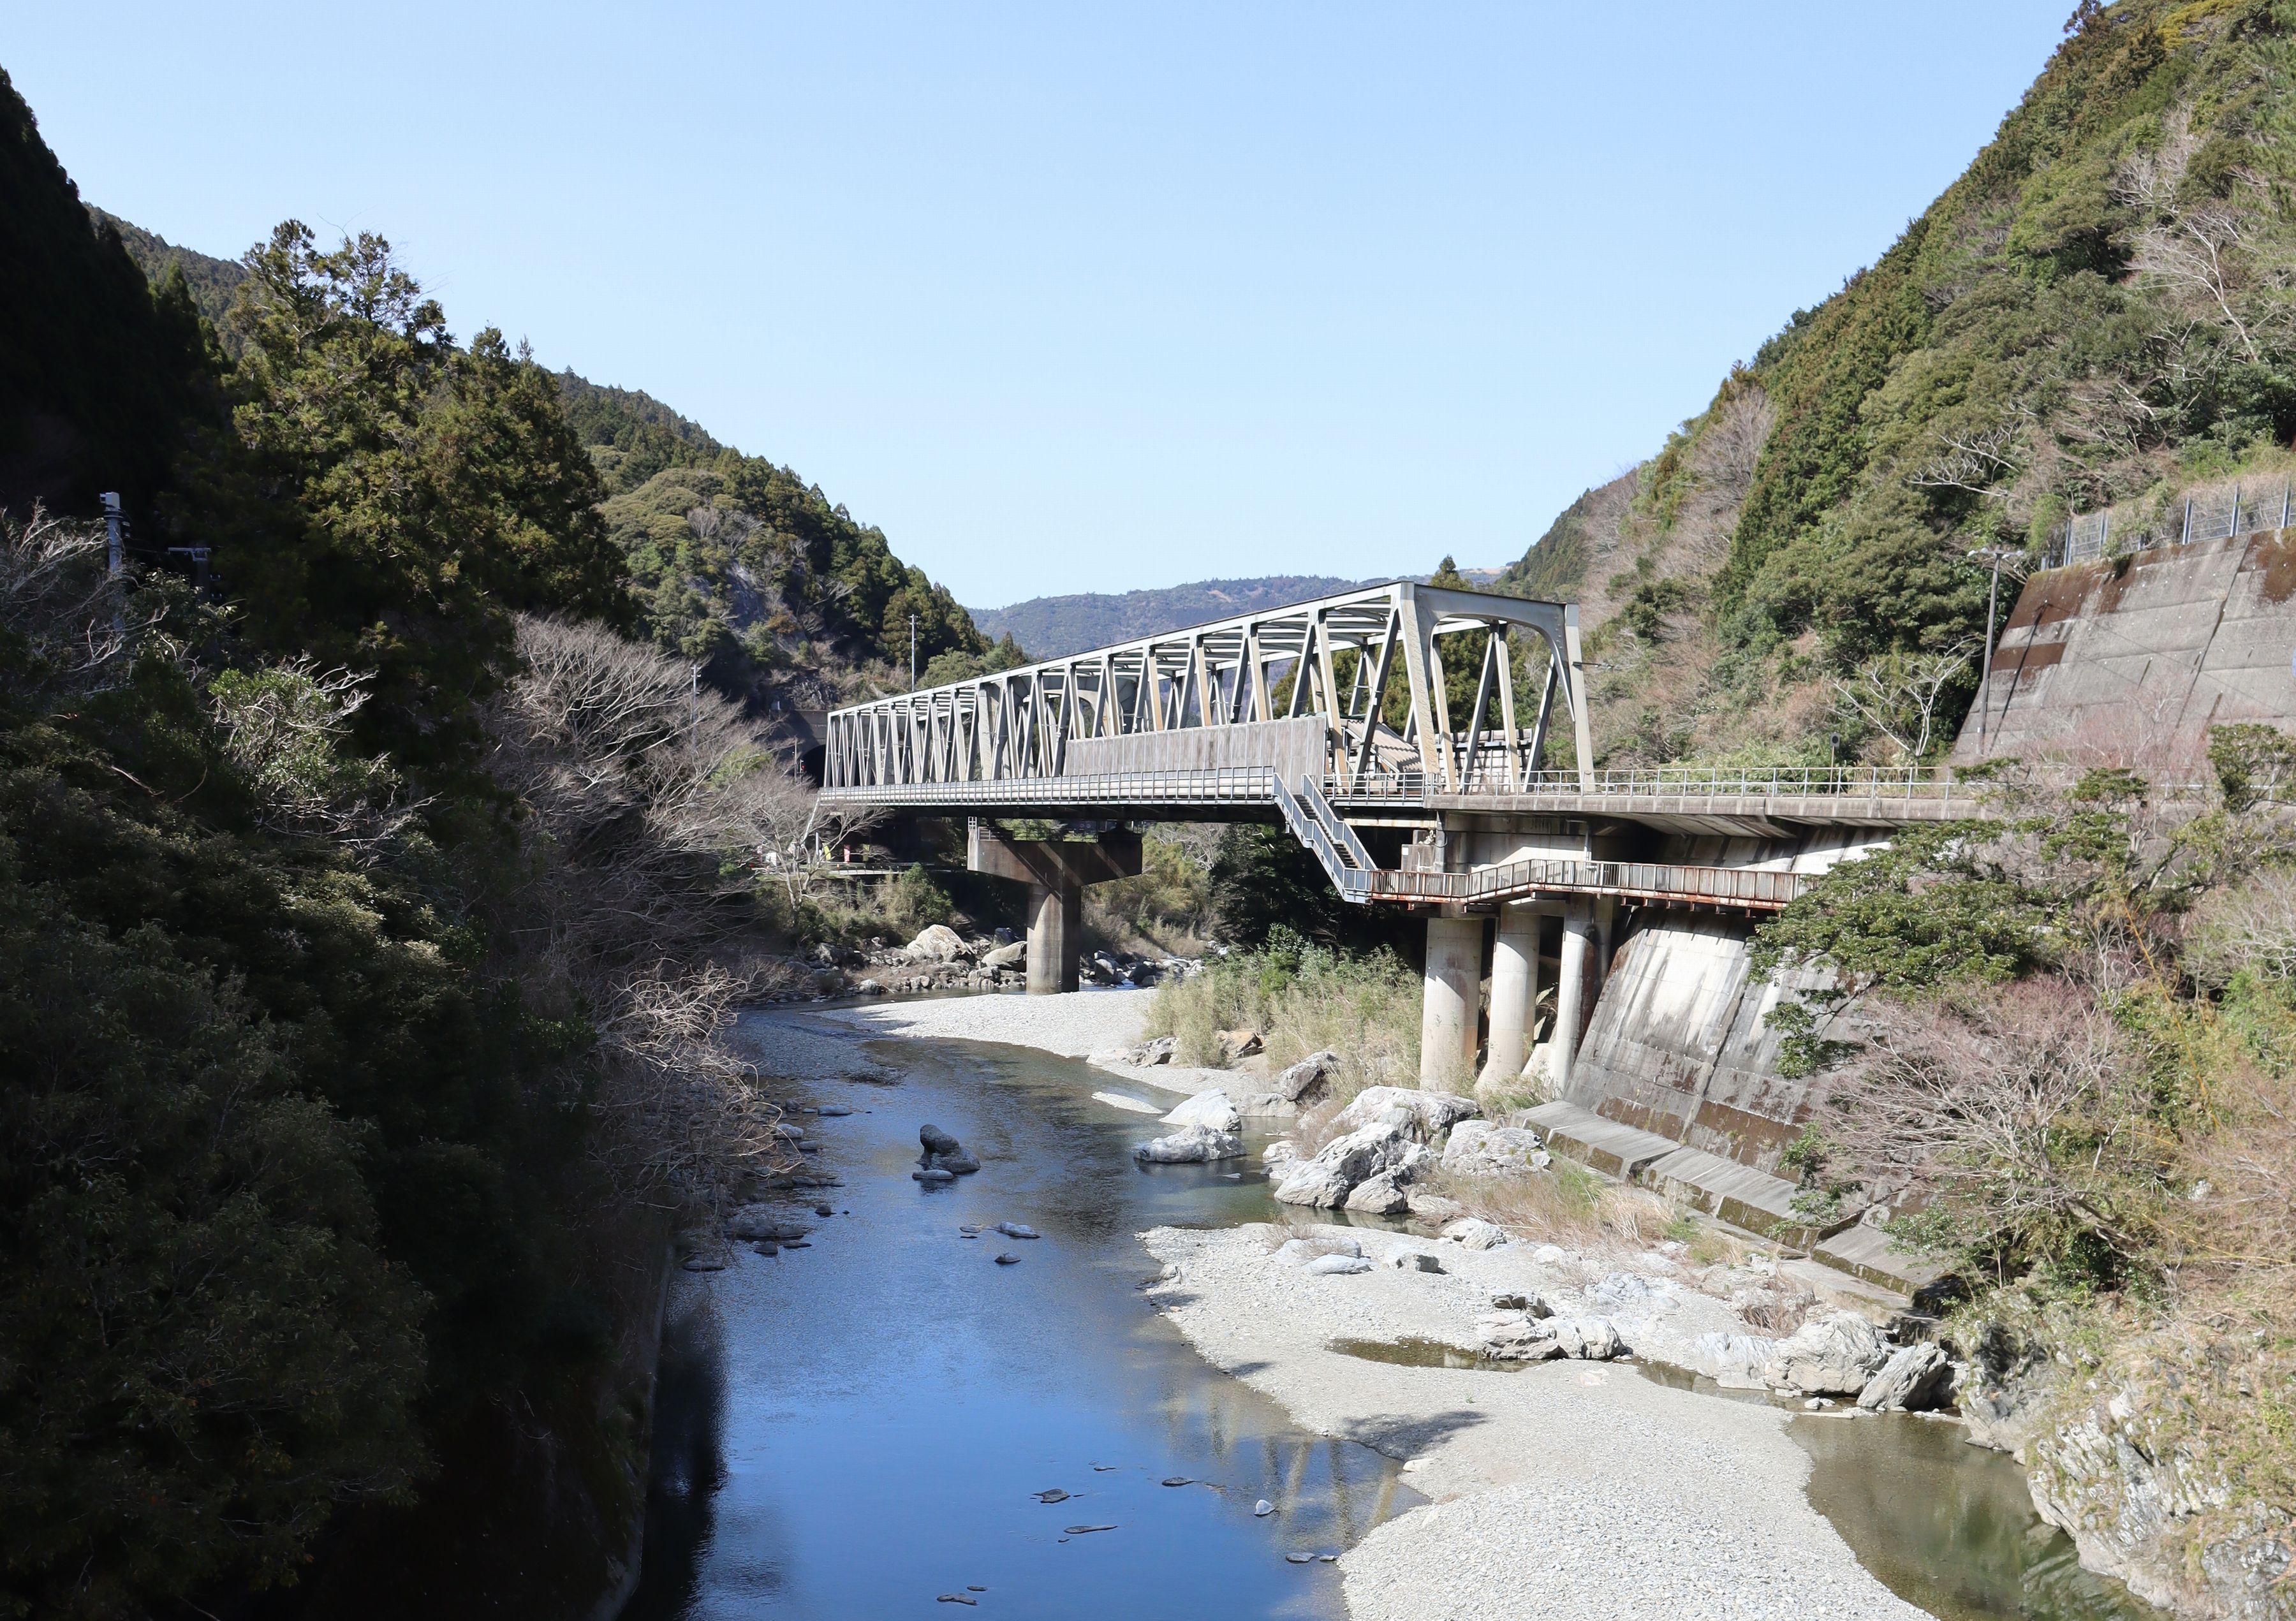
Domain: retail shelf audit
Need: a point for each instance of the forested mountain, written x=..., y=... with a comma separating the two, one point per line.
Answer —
x=366, y=918
x=735, y=562
x=1051, y=626
x=2102, y=309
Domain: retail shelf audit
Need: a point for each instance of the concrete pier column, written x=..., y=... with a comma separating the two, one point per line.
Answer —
x=1450, y=1000
x=1055, y=935
x=1514, y=992
x=1569, y=990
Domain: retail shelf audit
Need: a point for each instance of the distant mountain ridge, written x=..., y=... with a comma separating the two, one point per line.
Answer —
x=1053, y=626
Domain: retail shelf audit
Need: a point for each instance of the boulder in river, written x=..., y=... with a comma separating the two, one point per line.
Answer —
x=1016, y=1230
x=1382, y=1194
x=1190, y=1145
x=756, y=1222
x=1588, y=1338
x=1308, y=1081
x=937, y=1141
x=937, y=943
x=932, y=1173
x=1324, y=1181
x=1210, y=1109
x=1423, y=1115
x=1006, y=956
x=1516, y=1336
x=1836, y=1356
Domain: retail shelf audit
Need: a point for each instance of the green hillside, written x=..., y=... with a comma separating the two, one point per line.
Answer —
x=2103, y=309
x=735, y=562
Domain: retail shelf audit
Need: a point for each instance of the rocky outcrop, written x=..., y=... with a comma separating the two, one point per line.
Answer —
x=1423, y=1115
x=2112, y=1460
x=1477, y=1148
x=1309, y=1081
x=1346, y=1162
x=1912, y=1381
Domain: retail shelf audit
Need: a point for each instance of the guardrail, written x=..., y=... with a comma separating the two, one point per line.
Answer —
x=1252, y=785
x=1760, y=889
x=1919, y=782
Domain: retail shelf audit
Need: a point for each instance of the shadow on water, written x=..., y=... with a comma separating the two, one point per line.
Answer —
x=1943, y=1524
x=853, y=1429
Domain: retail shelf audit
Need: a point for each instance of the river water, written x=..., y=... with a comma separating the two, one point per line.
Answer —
x=852, y=1430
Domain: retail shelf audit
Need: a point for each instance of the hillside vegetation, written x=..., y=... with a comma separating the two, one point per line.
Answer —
x=2103, y=309
x=734, y=562
x=367, y=920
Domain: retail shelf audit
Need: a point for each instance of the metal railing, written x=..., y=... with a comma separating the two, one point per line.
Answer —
x=1923, y=783
x=1929, y=786
x=1253, y=785
x=1752, y=888
x=2207, y=514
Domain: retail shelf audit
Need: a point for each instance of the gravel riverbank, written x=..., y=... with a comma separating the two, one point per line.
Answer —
x=1565, y=1489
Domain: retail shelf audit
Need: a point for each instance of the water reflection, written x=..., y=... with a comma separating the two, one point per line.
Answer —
x=1942, y=1524
x=854, y=1430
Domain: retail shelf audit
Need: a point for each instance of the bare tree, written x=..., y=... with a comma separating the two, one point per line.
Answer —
x=1985, y=463
x=1897, y=695
x=56, y=596
x=650, y=805
x=2194, y=248
x=2009, y=1108
x=287, y=728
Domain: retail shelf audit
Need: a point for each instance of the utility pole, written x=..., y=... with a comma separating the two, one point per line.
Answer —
x=913, y=652
x=114, y=526
x=1996, y=555
x=111, y=521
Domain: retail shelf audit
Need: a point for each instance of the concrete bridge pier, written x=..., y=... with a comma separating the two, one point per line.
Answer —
x=1514, y=991
x=1056, y=936
x=1572, y=1004
x=1056, y=870
x=1452, y=997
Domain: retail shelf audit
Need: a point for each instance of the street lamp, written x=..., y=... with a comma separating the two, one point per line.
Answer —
x=913, y=652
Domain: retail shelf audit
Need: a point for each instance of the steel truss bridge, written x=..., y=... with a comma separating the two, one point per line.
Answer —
x=1338, y=710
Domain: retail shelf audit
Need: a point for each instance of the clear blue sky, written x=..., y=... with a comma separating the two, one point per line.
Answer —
x=1077, y=297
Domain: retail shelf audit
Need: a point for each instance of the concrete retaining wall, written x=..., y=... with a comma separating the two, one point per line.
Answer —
x=2130, y=660
x=1678, y=1045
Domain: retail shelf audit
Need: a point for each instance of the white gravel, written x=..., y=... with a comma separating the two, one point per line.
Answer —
x=1569, y=1489
x=1072, y=1026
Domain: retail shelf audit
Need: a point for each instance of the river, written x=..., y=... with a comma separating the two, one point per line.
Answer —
x=855, y=1428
